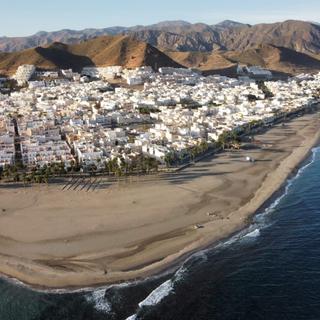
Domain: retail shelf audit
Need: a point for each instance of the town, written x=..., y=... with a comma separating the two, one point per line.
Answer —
x=122, y=121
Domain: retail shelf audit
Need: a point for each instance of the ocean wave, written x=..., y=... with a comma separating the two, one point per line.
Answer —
x=97, y=297
x=162, y=291
x=250, y=233
x=158, y=294
x=200, y=256
x=253, y=234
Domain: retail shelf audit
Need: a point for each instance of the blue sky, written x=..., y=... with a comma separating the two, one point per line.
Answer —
x=25, y=17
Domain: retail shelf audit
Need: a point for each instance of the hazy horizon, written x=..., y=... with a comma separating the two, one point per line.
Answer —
x=21, y=18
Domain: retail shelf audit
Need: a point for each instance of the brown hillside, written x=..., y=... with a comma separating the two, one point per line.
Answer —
x=276, y=58
x=101, y=51
x=44, y=58
x=279, y=59
x=201, y=60
x=300, y=36
x=122, y=50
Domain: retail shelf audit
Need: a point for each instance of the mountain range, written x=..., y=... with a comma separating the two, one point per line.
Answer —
x=170, y=30
x=301, y=36
x=288, y=47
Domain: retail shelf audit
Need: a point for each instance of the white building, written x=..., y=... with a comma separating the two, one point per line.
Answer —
x=24, y=73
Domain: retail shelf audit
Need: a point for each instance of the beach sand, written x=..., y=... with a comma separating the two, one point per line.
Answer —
x=132, y=229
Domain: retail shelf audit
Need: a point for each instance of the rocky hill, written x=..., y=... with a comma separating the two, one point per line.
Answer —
x=275, y=58
x=101, y=51
x=300, y=36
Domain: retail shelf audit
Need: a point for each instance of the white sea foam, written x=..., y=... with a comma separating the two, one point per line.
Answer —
x=133, y=317
x=97, y=297
x=253, y=234
x=166, y=288
x=200, y=256
x=157, y=294
x=178, y=276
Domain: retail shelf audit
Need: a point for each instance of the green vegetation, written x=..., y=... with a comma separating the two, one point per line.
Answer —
x=316, y=95
x=190, y=154
x=268, y=94
x=169, y=159
x=147, y=110
x=140, y=165
x=12, y=85
x=214, y=105
x=229, y=140
x=252, y=98
x=18, y=173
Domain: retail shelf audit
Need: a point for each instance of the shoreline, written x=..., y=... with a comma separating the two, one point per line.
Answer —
x=177, y=264
x=186, y=241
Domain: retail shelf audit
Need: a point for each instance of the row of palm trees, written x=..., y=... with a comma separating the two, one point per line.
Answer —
x=140, y=165
x=190, y=154
x=10, y=173
x=19, y=173
x=115, y=167
x=227, y=140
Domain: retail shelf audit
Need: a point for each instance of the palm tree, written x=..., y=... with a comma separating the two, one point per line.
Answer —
x=16, y=177
x=62, y=167
x=37, y=178
x=181, y=157
x=48, y=171
x=99, y=162
x=46, y=178
x=194, y=153
x=72, y=166
x=119, y=172
x=197, y=149
x=24, y=178
x=112, y=165
x=204, y=146
x=109, y=166
x=130, y=167
x=106, y=167
x=169, y=158
x=6, y=171
x=55, y=168
x=147, y=164
x=33, y=177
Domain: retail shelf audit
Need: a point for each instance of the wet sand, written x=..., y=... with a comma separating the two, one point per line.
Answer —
x=56, y=238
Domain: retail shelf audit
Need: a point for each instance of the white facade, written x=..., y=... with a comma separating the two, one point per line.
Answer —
x=24, y=73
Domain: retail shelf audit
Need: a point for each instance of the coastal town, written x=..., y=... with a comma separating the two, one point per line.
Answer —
x=111, y=119
x=160, y=160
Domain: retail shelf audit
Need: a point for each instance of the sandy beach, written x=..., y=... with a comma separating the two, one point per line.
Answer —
x=56, y=238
